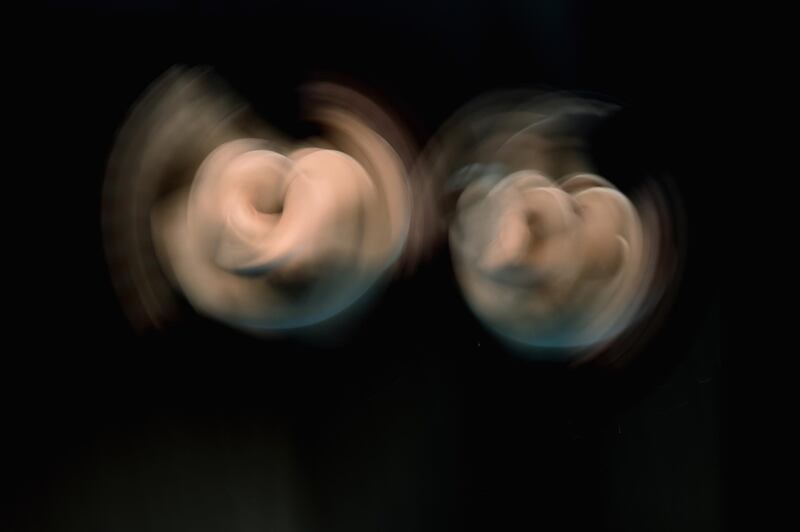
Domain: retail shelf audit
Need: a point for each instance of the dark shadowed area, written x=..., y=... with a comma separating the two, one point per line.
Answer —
x=418, y=420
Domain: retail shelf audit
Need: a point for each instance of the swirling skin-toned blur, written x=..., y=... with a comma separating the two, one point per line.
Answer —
x=268, y=233
x=547, y=264
x=256, y=230
x=552, y=257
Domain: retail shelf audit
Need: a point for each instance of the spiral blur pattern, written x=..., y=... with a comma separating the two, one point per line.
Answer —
x=549, y=255
x=254, y=229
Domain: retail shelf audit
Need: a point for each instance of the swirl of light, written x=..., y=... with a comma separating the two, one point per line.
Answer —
x=257, y=231
x=273, y=241
x=551, y=257
x=549, y=264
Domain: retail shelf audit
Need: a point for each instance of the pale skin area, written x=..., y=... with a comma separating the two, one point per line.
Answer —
x=264, y=240
x=259, y=230
x=549, y=263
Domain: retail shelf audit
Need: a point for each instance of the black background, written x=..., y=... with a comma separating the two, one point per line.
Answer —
x=417, y=421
